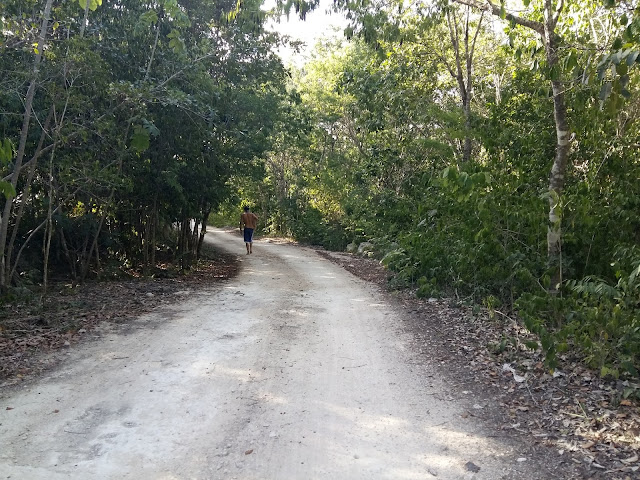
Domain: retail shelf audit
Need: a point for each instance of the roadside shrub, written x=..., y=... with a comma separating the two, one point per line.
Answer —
x=597, y=317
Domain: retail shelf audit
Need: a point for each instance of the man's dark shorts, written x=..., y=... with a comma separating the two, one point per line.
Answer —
x=248, y=235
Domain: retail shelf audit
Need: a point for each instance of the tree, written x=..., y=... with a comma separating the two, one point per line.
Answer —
x=463, y=43
x=143, y=116
x=547, y=30
x=24, y=133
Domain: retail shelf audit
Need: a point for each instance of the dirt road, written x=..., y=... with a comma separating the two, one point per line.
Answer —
x=293, y=370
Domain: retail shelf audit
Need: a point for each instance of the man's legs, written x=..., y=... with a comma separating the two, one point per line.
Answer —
x=248, y=238
x=250, y=247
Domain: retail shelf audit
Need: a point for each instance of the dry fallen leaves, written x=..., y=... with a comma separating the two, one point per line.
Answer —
x=572, y=409
x=30, y=332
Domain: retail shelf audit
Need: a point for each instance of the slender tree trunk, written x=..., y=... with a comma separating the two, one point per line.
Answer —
x=469, y=50
x=85, y=20
x=193, y=239
x=183, y=244
x=203, y=232
x=28, y=104
x=559, y=168
x=153, y=52
x=193, y=235
x=180, y=241
x=86, y=262
x=464, y=77
x=146, y=251
x=186, y=256
x=98, y=264
x=25, y=194
x=547, y=30
x=48, y=229
x=154, y=230
x=71, y=258
x=84, y=258
x=94, y=244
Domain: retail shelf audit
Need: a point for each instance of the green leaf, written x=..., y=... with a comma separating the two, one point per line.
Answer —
x=622, y=69
x=151, y=128
x=176, y=43
x=6, y=151
x=140, y=139
x=93, y=4
x=147, y=19
x=624, y=80
x=7, y=189
x=603, y=61
x=634, y=274
x=616, y=57
x=450, y=174
x=632, y=57
x=572, y=60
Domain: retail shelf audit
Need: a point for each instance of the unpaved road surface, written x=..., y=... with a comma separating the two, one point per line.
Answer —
x=295, y=369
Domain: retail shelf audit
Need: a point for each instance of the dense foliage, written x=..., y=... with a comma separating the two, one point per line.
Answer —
x=121, y=123
x=385, y=163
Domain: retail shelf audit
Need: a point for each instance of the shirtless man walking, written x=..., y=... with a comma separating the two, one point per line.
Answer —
x=249, y=220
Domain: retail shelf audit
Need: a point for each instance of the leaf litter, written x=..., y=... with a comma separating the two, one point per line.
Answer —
x=32, y=334
x=584, y=421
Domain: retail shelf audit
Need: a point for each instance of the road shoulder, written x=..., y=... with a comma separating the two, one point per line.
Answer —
x=569, y=421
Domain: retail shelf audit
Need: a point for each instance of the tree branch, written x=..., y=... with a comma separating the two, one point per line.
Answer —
x=495, y=10
x=556, y=16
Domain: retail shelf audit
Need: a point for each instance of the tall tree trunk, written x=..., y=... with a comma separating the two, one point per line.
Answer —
x=71, y=257
x=183, y=244
x=203, y=232
x=146, y=250
x=559, y=168
x=28, y=105
x=87, y=258
x=547, y=31
x=94, y=244
x=464, y=77
x=84, y=258
x=85, y=20
x=48, y=229
x=25, y=194
x=154, y=230
x=153, y=52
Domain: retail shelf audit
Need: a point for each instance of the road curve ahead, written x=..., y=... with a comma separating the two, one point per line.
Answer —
x=294, y=370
